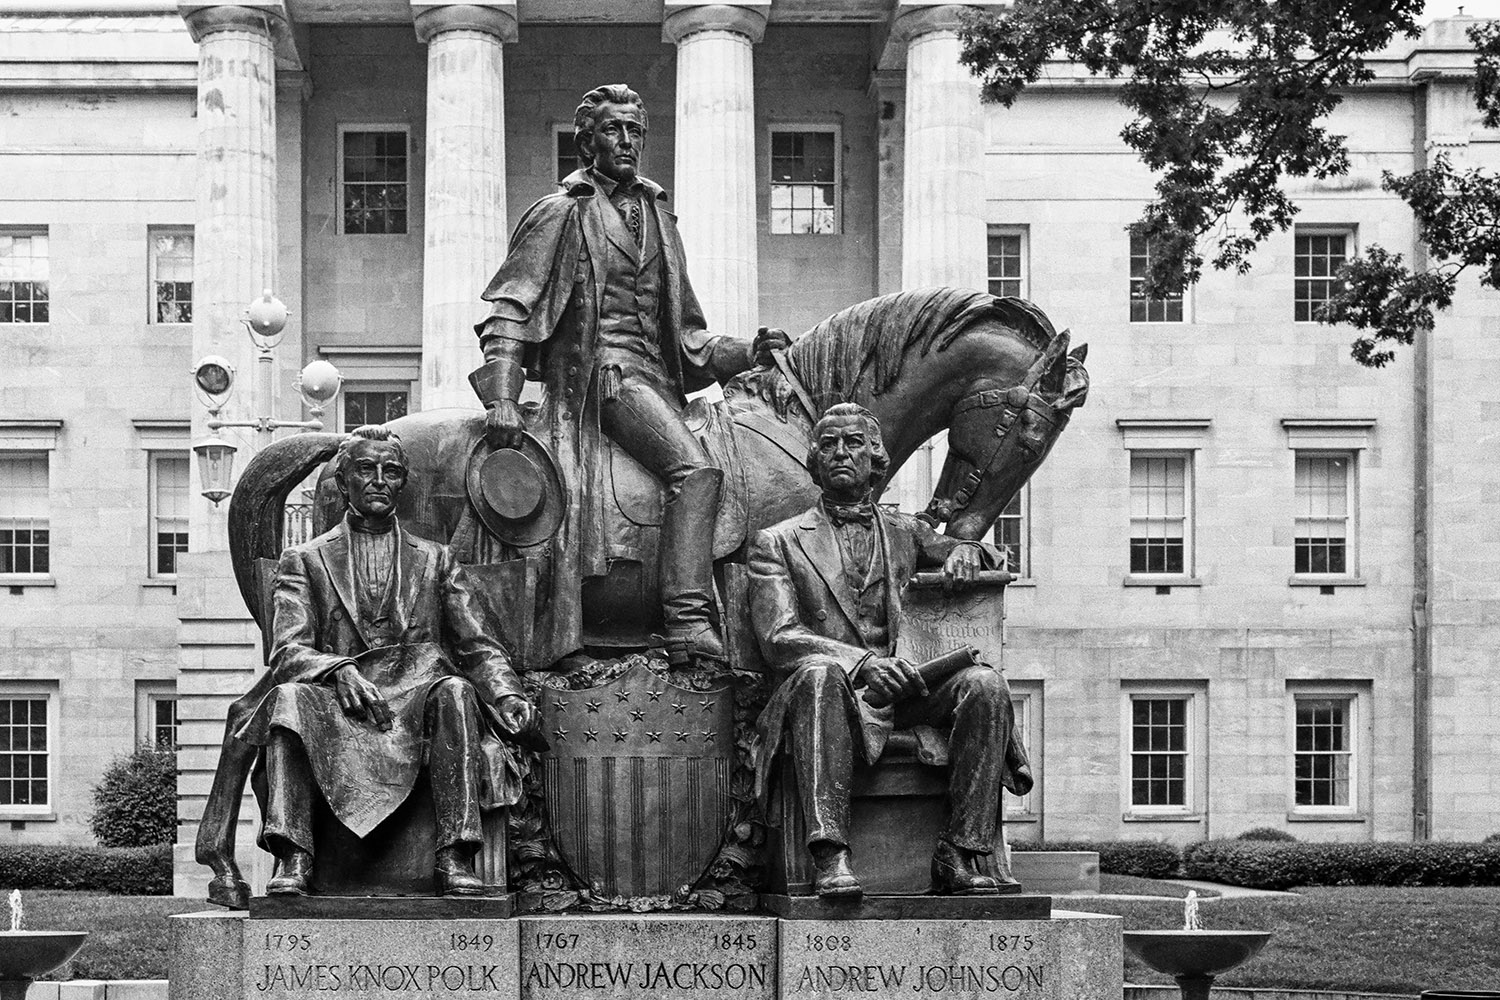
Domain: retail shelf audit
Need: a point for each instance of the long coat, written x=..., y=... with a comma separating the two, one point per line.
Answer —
x=364, y=773
x=546, y=294
x=803, y=607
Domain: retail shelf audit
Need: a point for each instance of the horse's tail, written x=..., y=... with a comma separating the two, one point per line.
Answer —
x=256, y=510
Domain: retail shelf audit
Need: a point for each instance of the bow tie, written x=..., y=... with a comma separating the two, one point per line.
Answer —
x=841, y=514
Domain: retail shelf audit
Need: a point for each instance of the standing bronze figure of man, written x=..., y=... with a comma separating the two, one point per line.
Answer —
x=594, y=301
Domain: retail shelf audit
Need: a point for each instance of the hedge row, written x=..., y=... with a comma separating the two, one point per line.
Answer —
x=1262, y=865
x=1143, y=858
x=129, y=871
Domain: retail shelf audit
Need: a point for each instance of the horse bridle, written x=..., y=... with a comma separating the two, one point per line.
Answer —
x=1026, y=422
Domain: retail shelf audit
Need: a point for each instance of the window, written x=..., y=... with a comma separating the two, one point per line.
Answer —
x=1026, y=697
x=804, y=180
x=25, y=536
x=1012, y=533
x=26, y=737
x=567, y=151
x=23, y=277
x=1165, y=747
x=1007, y=262
x=1324, y=756
x=373, y=167
x=1160, y=535
x=1142, y=309
x=1322, y=535
x=373, y=406
x=171, y=267
x=1318, y=257
x=169, y=512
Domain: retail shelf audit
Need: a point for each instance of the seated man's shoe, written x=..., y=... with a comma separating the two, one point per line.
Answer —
x=229, y=890
x=293, y=875
x=955, y=872
x=833, y=875
x=455, y=874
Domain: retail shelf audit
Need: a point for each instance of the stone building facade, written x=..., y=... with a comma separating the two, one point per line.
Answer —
x=1259, y=583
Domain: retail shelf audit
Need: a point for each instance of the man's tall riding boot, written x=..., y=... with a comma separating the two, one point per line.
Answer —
x=687, y=569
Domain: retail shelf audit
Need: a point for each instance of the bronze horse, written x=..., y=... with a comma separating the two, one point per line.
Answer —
x=922, y=361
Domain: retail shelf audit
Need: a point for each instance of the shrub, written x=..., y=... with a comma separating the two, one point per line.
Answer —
x=1267, y=833
x=135, y=804
x=1142, y=858
x=133, y=871
x=1262, y=865
x=1493, y=838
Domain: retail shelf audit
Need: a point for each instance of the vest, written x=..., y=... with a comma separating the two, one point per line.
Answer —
x=630, y=306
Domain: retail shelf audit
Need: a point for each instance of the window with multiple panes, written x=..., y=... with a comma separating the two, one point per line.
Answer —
x=1323, y=756
x=1160, y=528
x=25, y=509
x=24, y=277
x=804, y=180
x=374, y=169
x=171, y=266
x=1143, y=309
x=164, y=722
x=373, y=406
x=1012, y=533
x=1160, y=757
x=25, y=749
x=567, y=151
x=1007, y=262
x=169, y=512
x=1317, y=258
x=1321, y=540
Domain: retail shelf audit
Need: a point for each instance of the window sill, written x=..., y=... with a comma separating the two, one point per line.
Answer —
x=1164, y=580
x=159, y=582
x=18, y=580
x=1162, y=818
x=1326, y=817
x=1311, y=580
x=1023, y=818
x=18, y=816
x=1029, y=581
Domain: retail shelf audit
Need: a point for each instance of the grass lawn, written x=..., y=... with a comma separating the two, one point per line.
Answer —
x=1358, y=938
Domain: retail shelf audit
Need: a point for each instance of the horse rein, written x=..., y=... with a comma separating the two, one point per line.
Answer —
x=1026, y=420
x=778, y=355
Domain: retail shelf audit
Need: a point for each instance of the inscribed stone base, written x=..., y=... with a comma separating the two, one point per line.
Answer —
x=461, y=959
x=497, y=906
x=687, y=956
x=1073, y=956
x=877, y=907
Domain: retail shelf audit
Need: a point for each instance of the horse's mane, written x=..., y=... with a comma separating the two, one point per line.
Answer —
x=867, y=345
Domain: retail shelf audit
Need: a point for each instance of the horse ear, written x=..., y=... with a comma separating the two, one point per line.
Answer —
x=1052, y=381
x=1080, y=353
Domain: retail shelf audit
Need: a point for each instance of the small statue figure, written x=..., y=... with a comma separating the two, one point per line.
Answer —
x=825, y=600
x=594, y=300
x=383, y=668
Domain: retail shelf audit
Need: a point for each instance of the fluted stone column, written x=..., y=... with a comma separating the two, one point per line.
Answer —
x=943, y=224
x=234, y=253
x=464, y=216
x=714, y=165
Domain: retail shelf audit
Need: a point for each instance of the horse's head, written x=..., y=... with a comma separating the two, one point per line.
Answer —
x=999, y=435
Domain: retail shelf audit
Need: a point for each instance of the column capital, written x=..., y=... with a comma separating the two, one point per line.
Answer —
x=914, y=19
x=684, y=18
x=433, y=17
x=259, y=16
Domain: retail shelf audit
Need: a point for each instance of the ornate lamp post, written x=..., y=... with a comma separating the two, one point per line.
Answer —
x=265, y=320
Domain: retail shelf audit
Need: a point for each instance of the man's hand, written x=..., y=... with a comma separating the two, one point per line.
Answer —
x=961, y=568
x=502, y=423
x=516, y=713
x=360, y=699
x=892, y=678
x=768, y=339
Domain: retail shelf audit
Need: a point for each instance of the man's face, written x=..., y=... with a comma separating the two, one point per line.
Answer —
x=844, y=456
x=618, y=140
x=372, y=479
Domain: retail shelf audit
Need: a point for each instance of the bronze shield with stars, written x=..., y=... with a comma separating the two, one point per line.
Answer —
x=637, y=781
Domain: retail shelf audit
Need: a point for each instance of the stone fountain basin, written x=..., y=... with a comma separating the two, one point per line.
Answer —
x=1195, y=953
x=28, y=954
